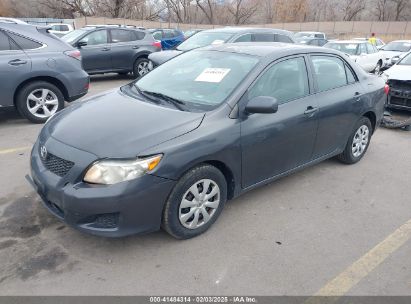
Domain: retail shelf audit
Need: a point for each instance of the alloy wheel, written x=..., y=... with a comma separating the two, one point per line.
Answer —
x=143, y=68
x=42, y=103
x=360, y=141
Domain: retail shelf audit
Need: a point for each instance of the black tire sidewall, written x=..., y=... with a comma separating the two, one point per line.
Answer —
x=21, y=99
x=361, y=122
x=171, y=222
x=136, y=64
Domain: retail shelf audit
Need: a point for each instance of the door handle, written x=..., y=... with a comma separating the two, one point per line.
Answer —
x=135, y=47
x=357, y=96
x=17, y=62
x=310, y=111
x=105, y=49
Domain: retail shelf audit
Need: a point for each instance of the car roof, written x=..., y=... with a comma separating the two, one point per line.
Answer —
x=268, y=49
x=405, y=41
x=349, y=41
x=241, y=30
x=309, y=32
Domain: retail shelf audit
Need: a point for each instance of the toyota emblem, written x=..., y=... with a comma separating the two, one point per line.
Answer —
x=43, y=152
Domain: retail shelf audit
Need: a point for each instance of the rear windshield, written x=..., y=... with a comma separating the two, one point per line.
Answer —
x=203, y=39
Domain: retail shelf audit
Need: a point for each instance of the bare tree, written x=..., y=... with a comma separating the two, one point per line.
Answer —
x=352, y=8
x=400, y=6
x=207, y=7
x=242, y=10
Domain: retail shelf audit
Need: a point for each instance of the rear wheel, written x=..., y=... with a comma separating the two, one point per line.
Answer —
x=39, y=100
x=195, y=202
x=141, y=67
x=357, y=143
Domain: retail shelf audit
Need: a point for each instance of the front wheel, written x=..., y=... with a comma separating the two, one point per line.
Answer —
x=357, y=143
x=39, y=100
x=141, y=67
x=195, y=202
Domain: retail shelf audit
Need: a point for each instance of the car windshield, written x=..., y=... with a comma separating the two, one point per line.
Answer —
x=406, y=60
x=348, y=48
x=397, y=46
x=203, y=39
x=72, y=36
x=201, y=80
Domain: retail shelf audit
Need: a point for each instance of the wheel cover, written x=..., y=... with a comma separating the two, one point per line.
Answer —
x=377, y=69
x=360, y=141
x=143, y=67
x=42, y=103
x=199, y=203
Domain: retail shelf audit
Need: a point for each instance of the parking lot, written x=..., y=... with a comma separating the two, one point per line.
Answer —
x=329, y=229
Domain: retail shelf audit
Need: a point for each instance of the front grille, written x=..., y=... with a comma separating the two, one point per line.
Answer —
x=103, y=221
x=56, y=164
x=404, y=102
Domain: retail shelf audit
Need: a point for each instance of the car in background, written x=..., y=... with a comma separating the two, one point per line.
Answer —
x=395, y=50
x=11, y=20
x=107, y=49
x=310, y=35
x=311, y=41
x=169, y=38
x=38, y=71
x=169, y=149
x=379, y=42
x=399, y=84
x=60, y=29
x=220, y=36
x=362, y=52
x=189, y=33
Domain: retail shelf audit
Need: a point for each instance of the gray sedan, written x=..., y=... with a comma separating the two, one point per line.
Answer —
x=170, y=149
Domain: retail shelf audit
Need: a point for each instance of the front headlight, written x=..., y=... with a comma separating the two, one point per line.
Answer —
x=111, y=171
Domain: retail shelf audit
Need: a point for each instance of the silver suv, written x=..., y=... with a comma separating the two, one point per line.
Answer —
x=38, y=71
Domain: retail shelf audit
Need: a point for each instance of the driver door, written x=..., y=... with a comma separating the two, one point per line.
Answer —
x=96, y=55
x=273, y=144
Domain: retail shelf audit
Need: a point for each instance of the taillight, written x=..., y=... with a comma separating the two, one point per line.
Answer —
x=157, y=44
x=73, y=54
x=386, y=89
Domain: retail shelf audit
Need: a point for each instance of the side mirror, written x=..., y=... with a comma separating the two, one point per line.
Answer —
x=262, y=104
x=81, y=43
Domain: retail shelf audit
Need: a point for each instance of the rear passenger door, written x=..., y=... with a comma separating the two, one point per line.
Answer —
x=14, y=65
x=338, y=94
x=124, y=45
x=96, y=55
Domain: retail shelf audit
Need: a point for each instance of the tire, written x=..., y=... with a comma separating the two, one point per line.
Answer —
x=358, y=142
x=377, y=69
x=31, y=96
x=178, y=219
x=141, y=67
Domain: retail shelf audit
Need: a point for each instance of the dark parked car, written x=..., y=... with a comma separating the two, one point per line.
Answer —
x=311, y=41
x=116, y=49
x=171, y=148
x=223, y=35
x=38, y=71
x=169, y=38
x=399, y=84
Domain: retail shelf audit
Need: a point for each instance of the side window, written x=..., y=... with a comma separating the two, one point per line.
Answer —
x=313, y=42
x=370, y=49
x=244, y=38
x=319, y=36
x=176, y=33
x=4, y=42
x=96, y=38
x=350, y=75
x=329, y=71
x=138, y=35
x=363, y=49
x=283, y=38
x=263, y=37
x=168, y=34
x=24, y=43
x=286, y=80
x=121, y=36
x=64, y=27
x=158, y=35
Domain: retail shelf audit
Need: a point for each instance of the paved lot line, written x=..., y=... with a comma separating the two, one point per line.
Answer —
x=6, y=151
x=368, y=262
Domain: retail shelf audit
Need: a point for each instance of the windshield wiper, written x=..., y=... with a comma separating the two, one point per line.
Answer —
x=179, y=104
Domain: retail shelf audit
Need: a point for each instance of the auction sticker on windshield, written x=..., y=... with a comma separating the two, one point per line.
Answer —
x=213, y=75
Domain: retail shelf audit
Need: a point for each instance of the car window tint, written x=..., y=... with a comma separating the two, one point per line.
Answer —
x=121, y=36
x=262, y=37
x=244, y=38
x=96, y=38
x=24, y=43
x=286, y=80
x=329, y=71
x=282, y=38
x=350, y=75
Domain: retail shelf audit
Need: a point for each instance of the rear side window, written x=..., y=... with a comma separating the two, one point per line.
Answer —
x=285, y=81
x=122, y=36
x=262, y=37
x=4, y=42
x=168, y=34
x=329, y=71
x=158, y=35
x=96, y=38
x=138, y=35
x=24, y=43
x=244, y=38
x=283, y=38
x=350, y=75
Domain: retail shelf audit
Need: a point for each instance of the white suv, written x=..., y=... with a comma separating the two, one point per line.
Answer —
x=61, y=29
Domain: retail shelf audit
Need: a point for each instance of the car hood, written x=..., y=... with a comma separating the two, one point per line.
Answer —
x=399, y=72
x=159, y=58
x=118, y=126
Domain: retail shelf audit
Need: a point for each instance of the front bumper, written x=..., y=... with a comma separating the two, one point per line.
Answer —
x=112, y=211
x=399, y=97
